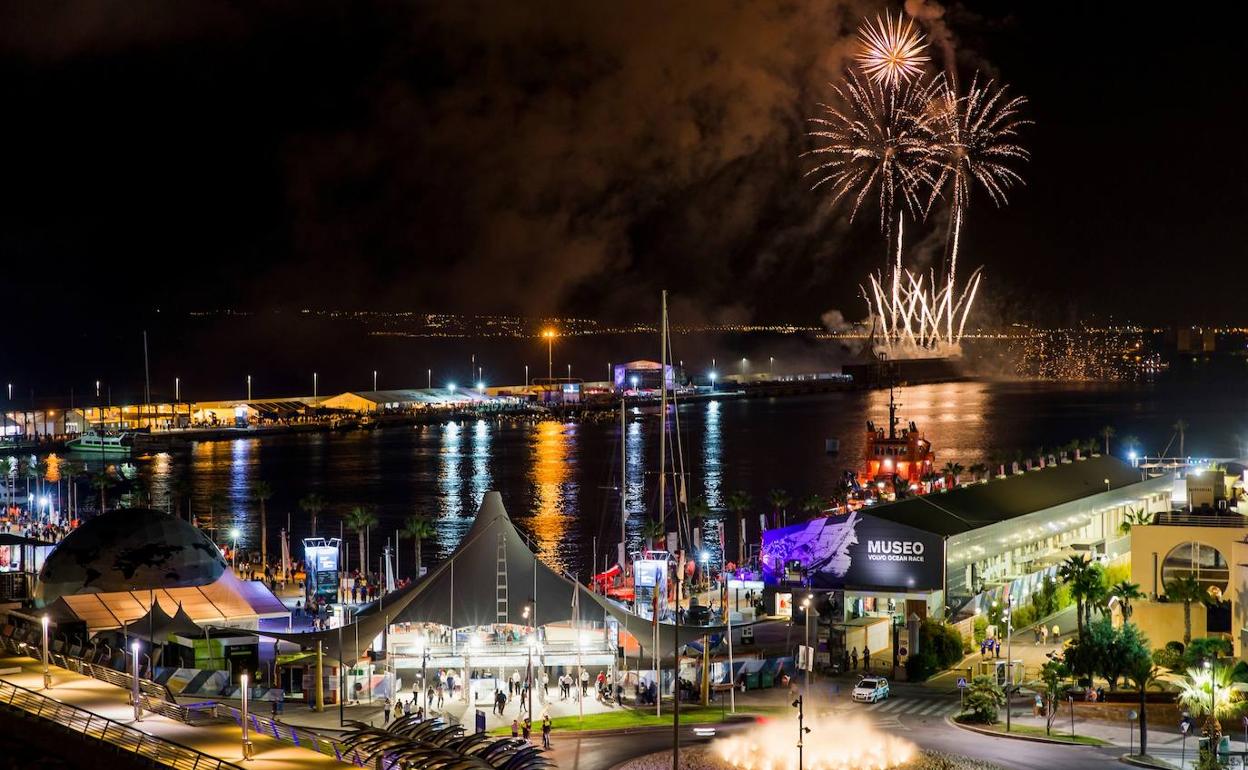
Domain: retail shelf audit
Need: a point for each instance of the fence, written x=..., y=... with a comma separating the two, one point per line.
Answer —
x=302, y=738
x=100, y=728
x=103, y=673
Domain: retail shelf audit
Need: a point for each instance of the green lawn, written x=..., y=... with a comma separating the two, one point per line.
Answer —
x=1057, y=735
x=624, y=718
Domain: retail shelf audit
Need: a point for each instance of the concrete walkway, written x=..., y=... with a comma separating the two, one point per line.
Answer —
x=223, y=741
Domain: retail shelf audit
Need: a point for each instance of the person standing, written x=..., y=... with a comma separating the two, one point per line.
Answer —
x=853, y=659
x=385, y=709
x=546, y=731
x=526, y=729
x=1044, y=634
x=584, y=683
x=866, y=658
x=545, y=683
x=515, y=728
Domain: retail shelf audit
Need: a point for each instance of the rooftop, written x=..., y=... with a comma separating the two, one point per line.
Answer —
x=977, y=505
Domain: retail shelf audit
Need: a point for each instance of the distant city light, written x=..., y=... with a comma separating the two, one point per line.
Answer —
x=451, y=387
x=713, y=376
x=633, y=380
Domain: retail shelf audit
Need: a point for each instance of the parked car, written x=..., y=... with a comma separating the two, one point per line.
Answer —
x=871, y=689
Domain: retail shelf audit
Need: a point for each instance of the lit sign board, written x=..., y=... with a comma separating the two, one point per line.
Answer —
x=856, y=549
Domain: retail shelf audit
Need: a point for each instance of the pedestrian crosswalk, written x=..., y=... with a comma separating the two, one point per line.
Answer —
x=923, y=707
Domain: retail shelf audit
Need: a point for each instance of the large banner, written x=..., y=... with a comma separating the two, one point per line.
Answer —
x=855, y=549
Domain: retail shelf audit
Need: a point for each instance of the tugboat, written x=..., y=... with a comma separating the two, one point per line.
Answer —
x=896, y=462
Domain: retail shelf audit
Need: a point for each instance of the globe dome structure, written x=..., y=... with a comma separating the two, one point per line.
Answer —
x=129, y=549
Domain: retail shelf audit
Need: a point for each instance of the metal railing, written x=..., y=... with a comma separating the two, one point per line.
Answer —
x=295, y=736
x=125, y=737
x=103, y=673
x=1193, y=519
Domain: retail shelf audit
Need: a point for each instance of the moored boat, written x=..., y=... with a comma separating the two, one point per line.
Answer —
x=101, y=443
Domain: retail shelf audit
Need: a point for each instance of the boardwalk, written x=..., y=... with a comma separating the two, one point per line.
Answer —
x=219, y=740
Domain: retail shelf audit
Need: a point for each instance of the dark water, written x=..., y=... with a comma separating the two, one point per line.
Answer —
x=558, y=479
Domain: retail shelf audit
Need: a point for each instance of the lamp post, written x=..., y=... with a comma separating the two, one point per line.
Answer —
x=1009, y=655
x=712, y=380
x=802, y=729
x=242, y=683
x=549, y=334
x=134, y=677
x=374, y=379
x=249, y=387
x=47, y=675
x=526, y=375
x=234, y=549
x=315, y=381
x=529, y=668
x=810, y=657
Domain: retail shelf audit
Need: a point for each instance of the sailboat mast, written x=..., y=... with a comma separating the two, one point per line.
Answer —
x=663, y=412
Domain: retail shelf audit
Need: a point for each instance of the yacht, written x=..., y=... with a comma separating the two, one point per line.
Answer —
x=101, y=443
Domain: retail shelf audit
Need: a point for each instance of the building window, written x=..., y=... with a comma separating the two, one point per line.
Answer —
x=1203, y=562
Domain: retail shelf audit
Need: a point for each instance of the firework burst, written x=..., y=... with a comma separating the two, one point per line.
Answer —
x=891, y=51
x=881, y=141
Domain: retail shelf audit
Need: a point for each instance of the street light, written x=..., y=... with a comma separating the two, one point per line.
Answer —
x=810, y=656
x=249, y=387
x=134, y=676
x=47, y=675
x=234, y=549
x=713, y=376
x=549, y=334
x=247, y=749
x=451, y=387
x=1009, y=657
x=634, y=381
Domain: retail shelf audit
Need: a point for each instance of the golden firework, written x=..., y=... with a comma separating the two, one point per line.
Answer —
x=892, y=50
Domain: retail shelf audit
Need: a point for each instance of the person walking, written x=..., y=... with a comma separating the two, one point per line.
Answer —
x=526, y=729
x=385, y=709
x=545, y=683
x=546, y=731
x=1044, y=634
x=1057, y=634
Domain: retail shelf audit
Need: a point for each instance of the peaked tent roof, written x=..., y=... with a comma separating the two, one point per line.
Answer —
x=462, y=591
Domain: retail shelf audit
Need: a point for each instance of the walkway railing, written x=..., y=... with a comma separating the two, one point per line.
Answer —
x=286, y=733
x=125, y=737
x=94, y=670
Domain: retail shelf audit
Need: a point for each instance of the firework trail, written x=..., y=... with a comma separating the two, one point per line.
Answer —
x=900, y=138
x=891, y=51
x=975, y=140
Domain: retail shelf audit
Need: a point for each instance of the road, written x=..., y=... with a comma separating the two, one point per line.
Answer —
x=914, y=713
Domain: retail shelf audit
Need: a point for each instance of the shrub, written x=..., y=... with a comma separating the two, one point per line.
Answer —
x=1024, y=616
x=1168, y=658
x=942, y=640
x=983, y=700
x=981, y=628
x=1240, y=672
x=1206, y=648
x=920, y=667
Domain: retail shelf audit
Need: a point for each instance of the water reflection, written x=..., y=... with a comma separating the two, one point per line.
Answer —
x=712, y=481
x=481, y=481
x=450, y=477
x=554, y=488
x=635, y=483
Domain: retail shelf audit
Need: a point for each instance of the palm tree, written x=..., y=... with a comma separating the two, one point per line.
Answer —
x=360, y=520
x=739, y=502
x=812, y=505
x=952, y=473
x=418, y=528
x=312, y=504
x=7, y=467
x=1188, y=590
x=779, y=502
x=655, y=532
x=261, y=492
x=1125, y=592
x=1180, y=427
x=1129, y=443
x=1135, y=517
x=103, y=480
x=1074, y=572
x=1206, y=692
x=1143, y=674
x=1107, y=433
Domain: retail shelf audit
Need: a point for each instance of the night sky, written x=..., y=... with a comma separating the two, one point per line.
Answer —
x=571, y=157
